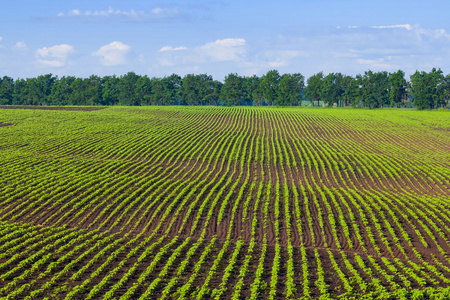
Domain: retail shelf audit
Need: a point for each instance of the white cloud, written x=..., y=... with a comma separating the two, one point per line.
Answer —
x=225, y=43
x=231, y=49
x=435, y=34
x=222, y=50
x=20, y=46
x=170, y=48
x=75, y=12
x=271, y=59
x=377, y=64
x=55, y=56
x=157, y=13
x=404, y=26
x=417, y=30
x=379, y=48
x=51, y=63
x=113, y=54
x=98, y=13
x=58, y=51
x=157, y=10
x=347, y=50
x=165, y=11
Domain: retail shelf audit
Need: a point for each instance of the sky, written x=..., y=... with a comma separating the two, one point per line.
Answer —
x=159, y=38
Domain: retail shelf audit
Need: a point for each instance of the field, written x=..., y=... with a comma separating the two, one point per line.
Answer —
x=224, y=203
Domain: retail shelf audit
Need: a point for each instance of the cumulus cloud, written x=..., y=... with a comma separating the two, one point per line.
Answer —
x=55, y=56
x=170, y=48
x=112, y=54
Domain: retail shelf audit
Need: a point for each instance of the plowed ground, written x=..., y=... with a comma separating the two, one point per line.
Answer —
x=171, y=202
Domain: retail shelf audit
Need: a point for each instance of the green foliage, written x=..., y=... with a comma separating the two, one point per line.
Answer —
x=289, y=91
x=314, y=87
x=397, y=88
x=232, y=90
x=374, y=88
x=270, y=86
x=6, y=90
x=428, y=89
x=371, y=89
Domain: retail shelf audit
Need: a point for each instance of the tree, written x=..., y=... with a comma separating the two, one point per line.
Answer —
x=77, y=97
x=157, y=95
x=253, y=90
x=197, y=89
x=171, y=86
x=349, y=90
x=269, y=85
x=213, y=88
x=374, y=88
x=397, y=88
x=446, y=92
x=41, y=88
x=31, y=95
x=61, y=91
x=127, y=89
x=6, y=90
x=20, y=92
x=93, y=90
x=189, y=89
x=232, y=90
x=314, y=87
x=421, y=90
x=144, y=90
x=382, y=88
x=289, y=91
x=438, y=83
x=215, y=96
x=330, y=89
x=110, y=95
x=428, y=89
x=205, y=90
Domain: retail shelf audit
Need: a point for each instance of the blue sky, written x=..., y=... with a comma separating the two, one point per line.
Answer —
x=159, y=38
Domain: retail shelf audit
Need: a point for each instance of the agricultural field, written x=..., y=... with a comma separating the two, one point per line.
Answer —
x=224, y=203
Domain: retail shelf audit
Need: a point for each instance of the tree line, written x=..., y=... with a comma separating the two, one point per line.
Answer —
x=424, y=90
